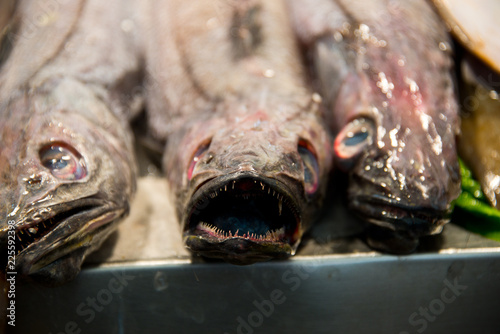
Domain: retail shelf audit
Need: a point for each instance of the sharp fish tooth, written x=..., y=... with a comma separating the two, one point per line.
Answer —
x=280, y=233
x=280, y=205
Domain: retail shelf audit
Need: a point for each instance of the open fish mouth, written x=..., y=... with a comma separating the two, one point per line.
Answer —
x=62, y=229
x=243, y=219
x=398, y=216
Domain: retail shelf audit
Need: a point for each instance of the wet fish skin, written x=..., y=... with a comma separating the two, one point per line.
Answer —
x=479, y=144
x=241, y=121
x=67, y=168
x=386, y=76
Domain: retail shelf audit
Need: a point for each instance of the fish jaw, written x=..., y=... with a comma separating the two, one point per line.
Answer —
x=243, y=218
x=397, y=216
x=55, y=252
x=397, y=225
x=52, y=240
x=408, y=195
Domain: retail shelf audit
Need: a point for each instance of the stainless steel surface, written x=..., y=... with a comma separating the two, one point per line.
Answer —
x=431, y=293
x=143, y=281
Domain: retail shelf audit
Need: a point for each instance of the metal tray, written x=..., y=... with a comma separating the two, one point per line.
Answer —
x=144, y=281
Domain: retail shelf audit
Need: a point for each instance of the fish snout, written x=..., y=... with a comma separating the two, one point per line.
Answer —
x=296, y=161
x=411, y=203
x=246, y=159
x=69, y=225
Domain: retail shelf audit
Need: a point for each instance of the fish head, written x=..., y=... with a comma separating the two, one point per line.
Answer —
x=67, y=175
x=248, y=183
x=403, y=171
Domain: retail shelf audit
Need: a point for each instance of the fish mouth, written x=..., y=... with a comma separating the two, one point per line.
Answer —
x=30, y=233
x=399, y=216
x=66, y=229
x=243, y=219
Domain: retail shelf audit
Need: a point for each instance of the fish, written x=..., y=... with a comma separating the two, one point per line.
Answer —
x=385, y=70
x=479, y=144
x=67, y=166
x=246, y=152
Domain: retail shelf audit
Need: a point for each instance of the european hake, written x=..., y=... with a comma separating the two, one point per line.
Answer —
x=247, y=154
x=67, y=169
x=385, y=70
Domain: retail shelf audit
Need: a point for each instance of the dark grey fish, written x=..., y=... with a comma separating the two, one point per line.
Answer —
x=247, y=154
x=67, y=169
x=384, y=68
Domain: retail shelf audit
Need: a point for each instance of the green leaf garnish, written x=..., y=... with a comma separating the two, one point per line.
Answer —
x=473, y=211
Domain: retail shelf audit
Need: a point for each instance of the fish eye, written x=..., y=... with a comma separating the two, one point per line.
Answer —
x=352, y=140
x=198, y=155
x=310, y=164
x=356, y=138
x=63, y=161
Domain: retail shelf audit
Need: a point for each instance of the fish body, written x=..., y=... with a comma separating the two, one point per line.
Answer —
x=479, y=143
x=385, y=73
x=246, y=154
x=67, y=169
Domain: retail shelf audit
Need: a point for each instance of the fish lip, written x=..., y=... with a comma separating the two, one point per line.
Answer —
x=399, y=216
x=84, y=220
x=239, y=251
x=216, y=239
